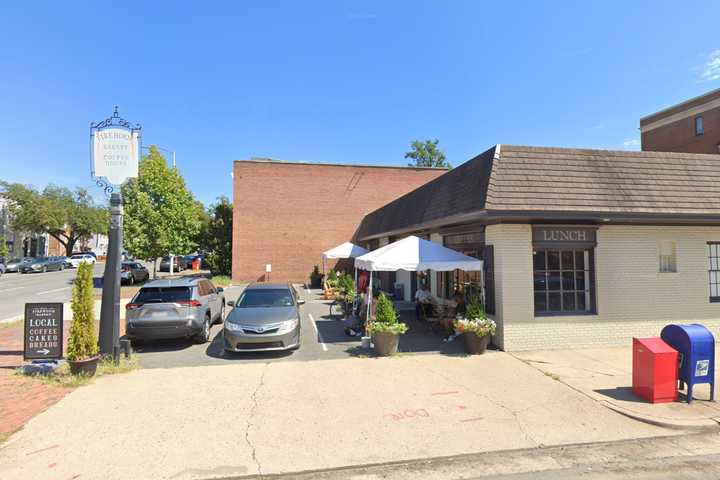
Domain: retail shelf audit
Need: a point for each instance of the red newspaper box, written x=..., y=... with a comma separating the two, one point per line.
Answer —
x=655, y=365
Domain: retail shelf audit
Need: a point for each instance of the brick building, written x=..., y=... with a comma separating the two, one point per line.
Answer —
x=692, y=126
x=286, y=214
x=581, y=247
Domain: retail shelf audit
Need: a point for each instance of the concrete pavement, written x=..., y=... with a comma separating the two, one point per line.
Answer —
x=16, y=289
x=274, y=417
x=605, y=375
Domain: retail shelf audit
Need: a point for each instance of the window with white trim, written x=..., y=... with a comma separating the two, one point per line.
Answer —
x=667, y=253
x=714, y=270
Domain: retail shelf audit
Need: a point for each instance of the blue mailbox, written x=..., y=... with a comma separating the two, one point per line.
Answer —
x=696, y=346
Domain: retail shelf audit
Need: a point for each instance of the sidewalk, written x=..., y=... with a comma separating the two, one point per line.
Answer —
x=23, y=397
x=605, y=375
x=262, y=418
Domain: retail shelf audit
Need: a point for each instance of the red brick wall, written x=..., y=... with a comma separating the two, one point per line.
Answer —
x=680, y=136
x=287, y=214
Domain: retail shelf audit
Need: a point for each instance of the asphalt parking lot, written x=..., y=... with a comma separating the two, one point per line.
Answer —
x=322, y=337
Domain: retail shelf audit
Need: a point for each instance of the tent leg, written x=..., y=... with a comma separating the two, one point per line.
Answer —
x=367, y=317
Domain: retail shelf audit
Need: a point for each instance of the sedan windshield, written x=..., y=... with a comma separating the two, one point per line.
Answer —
x=266, y=298
x=163, y=295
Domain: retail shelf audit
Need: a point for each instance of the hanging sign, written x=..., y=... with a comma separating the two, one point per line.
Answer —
x=116, y=152
x=43, y=331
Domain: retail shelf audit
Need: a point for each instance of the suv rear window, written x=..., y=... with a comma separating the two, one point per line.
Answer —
x=266, y=298
x=163, y=295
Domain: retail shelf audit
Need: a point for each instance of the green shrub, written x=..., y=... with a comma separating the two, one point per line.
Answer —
x=332, y=278
x=386, y=318
x=82, y=342
x=475, y=309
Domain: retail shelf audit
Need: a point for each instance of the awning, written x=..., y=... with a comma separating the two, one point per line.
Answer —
x=414, y=254
x=346, y=250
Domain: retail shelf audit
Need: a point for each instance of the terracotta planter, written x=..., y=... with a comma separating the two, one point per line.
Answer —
x=475, y=344
x=385, y=343
x=84, y=367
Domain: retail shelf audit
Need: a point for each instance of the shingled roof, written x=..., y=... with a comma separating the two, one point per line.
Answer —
x=514, y=180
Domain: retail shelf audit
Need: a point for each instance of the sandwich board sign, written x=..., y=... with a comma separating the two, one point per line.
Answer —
x=43, y=331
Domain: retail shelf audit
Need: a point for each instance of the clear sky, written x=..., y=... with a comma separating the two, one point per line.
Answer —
x=338, y=81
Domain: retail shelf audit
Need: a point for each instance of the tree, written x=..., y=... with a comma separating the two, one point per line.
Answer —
x=65, y=215
x=161, y=215
x=427, y=154
x=217, y=236
x=4, y=251
x=82, y=342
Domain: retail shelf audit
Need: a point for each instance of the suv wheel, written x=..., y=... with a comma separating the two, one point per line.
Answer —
x=131, y=280
x=221, y=317
x=204, y=335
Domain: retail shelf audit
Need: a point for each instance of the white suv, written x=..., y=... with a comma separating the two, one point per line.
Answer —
x=79, y=258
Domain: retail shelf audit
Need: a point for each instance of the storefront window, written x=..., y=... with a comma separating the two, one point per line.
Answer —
x=714, y=270
x=563, y=281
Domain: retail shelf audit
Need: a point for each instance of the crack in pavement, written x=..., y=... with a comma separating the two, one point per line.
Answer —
x=253, y=398
x=512, y=412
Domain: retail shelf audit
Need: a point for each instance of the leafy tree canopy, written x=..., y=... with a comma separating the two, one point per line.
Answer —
x=427, y=154
x=217, y=236
x=161, y=215
x=65, y=215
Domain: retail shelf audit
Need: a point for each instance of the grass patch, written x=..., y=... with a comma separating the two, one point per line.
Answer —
x=64, y=379
x=221, y=280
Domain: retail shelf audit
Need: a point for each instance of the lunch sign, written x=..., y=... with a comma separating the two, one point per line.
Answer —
x=43, y=331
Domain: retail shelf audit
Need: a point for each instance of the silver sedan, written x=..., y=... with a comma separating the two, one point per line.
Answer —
x=266, y=317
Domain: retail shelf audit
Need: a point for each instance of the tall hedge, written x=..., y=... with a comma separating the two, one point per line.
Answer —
x=83, y=343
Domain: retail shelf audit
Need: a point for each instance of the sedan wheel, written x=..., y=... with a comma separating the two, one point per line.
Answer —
x=44, y=269
x=131, y=280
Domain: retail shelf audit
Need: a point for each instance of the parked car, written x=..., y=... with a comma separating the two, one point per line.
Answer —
x=189, y=259
x=42, y=264
x=85, y=253
x=79, y=258
x=13, y=265
x=178, y=264
x=175, y=308
x=66, y=261
x=133, y=272
x=265, y=317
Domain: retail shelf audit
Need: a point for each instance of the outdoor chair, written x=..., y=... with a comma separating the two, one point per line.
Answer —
x=431, y=317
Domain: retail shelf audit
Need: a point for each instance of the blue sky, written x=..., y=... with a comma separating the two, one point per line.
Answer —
x=348, y=82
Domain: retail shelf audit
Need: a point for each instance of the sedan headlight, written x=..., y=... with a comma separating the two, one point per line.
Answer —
x=288, y=325
x=233, y=327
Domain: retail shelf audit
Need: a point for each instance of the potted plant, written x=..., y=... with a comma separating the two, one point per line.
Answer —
x=385, y=329
x=346, y=292
x=82, y=351
x=315, y=278
x=475, y=327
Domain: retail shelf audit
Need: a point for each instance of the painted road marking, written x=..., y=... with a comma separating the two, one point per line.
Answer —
x=312, y=320
x=445, y=393
x=53, y=290
x=14, y=288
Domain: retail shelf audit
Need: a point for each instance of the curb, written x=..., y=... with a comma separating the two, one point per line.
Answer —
x=698, y=425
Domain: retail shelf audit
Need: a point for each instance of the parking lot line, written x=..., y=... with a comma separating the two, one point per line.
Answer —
x=312, y=320
x=11, y=289
x=53, y=290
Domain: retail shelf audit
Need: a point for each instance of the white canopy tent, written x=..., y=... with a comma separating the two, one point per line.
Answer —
x=414, y=254
x=346, y=250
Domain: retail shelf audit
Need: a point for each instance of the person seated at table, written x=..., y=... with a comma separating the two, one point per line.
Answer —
x=357, y=327
x=455, y=308
x=423, y=302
